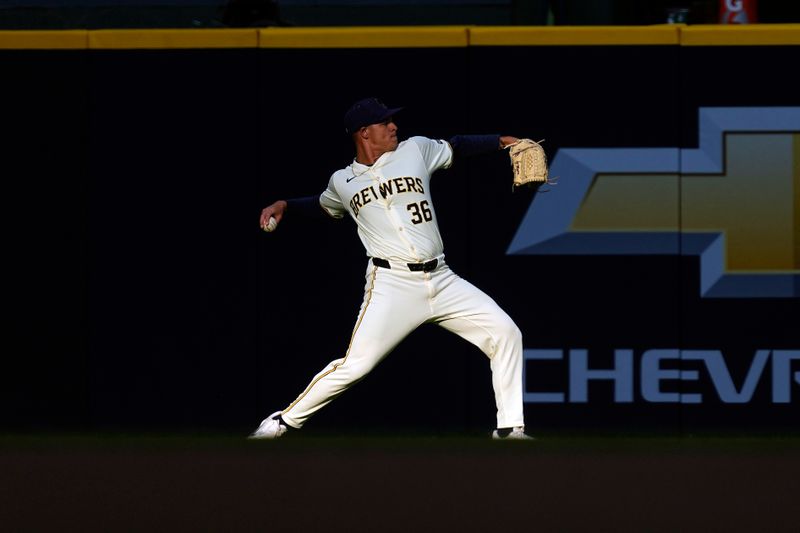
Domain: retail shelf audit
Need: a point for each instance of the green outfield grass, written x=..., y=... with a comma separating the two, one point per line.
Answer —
x=546, y=442
x=317, y=481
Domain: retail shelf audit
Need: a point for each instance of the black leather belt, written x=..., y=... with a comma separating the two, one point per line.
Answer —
x=413, y=267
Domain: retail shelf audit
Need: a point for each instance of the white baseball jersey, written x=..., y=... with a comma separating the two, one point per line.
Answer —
x=390, y=201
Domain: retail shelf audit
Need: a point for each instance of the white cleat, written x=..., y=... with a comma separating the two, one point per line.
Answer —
x=517, y=433
x=270, y=428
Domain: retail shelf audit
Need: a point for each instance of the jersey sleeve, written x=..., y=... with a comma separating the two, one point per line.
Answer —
x=437, y=153
x=330, y=201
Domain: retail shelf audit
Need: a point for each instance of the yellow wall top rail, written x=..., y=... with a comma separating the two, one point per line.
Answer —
x=574, y=35
x=404, y=37
x=740, y=35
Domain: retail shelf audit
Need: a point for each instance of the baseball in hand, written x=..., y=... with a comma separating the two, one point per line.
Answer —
x=271, y=225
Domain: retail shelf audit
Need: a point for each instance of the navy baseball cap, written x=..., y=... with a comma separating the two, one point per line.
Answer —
x=365, y=112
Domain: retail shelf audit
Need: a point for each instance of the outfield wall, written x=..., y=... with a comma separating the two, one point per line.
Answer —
x=655, y=285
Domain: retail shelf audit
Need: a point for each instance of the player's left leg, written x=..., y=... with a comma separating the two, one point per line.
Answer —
x=464, y=309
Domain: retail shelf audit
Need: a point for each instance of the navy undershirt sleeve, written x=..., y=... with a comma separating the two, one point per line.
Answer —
x=468, y=145
x=307, y=207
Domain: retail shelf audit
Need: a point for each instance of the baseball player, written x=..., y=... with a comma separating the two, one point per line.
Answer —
x=386, y=191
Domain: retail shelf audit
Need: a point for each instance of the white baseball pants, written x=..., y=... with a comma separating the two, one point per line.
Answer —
x=396, y=302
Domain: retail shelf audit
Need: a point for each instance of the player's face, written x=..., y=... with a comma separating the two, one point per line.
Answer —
x=383, y=136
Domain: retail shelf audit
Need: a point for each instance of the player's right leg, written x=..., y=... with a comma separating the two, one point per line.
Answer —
x=389, y=312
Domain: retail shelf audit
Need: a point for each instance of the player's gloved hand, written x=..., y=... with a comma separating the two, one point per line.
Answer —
x=529, y=163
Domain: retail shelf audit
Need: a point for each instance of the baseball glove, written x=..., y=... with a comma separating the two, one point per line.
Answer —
x=529, y=164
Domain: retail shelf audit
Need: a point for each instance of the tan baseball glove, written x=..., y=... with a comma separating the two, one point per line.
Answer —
x=529, y=163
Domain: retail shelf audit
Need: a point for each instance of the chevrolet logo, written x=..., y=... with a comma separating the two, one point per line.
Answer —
x=734, y=202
